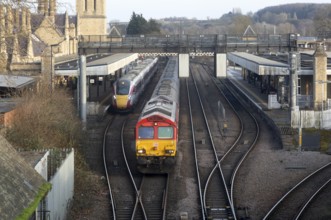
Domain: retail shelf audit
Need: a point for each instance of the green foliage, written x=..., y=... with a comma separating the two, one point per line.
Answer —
x=45, y=120
x=138, y=25
x=153, y=27
x=33, y=206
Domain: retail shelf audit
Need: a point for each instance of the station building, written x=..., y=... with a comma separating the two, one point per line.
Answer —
x=297, y=81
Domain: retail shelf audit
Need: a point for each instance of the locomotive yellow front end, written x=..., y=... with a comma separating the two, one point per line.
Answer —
x=121, y=100
x=156, y=145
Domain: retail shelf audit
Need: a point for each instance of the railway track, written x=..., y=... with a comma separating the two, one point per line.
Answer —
x=152, y=197
x=295, y=202
x=121, y=189
x=132, y=195
x=140, y=202
x=127, y=199
x=234, y=155
x=246, y=141
x=214, y=197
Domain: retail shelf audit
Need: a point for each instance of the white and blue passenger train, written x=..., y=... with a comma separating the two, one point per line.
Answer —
x=129, y=87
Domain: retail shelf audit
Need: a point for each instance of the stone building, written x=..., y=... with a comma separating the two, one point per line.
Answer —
x=29, y=41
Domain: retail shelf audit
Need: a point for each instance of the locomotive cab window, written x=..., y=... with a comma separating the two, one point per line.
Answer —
x=146, y=132
x=165, y=132
x=123, y=87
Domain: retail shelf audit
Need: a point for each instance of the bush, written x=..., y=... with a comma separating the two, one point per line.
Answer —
x=44, y=120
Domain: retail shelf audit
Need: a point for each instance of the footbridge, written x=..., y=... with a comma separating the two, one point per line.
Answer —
x=187, y=45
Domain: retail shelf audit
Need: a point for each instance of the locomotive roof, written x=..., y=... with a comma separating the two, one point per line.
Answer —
x=168, y=84
x=160, y=104
x=164, y=100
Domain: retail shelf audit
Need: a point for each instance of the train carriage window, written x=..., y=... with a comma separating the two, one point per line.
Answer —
x=165, y=132
x=146, y=132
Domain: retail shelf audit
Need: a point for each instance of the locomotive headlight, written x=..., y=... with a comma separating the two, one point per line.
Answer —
x=169, y=151
x=141, y=151
x=114, y=97
x=129, y=97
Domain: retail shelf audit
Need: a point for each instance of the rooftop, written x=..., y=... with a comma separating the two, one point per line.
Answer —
x=15, y=82
x=21, y=187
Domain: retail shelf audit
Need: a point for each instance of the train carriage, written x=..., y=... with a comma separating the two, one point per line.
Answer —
x=129, y=87
x=157, y=127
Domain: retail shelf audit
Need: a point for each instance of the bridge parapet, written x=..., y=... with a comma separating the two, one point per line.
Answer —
x=197, y=44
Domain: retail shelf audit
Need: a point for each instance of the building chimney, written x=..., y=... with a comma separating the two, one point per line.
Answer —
x=17, y=20
x=3, y=45
x=28, y=21
x=29, y=49
x=320, y=70
x=52, y=5
x=2, y=20
x=24, y=10
x=16, y=51
x=41, y=7
x=9, y=20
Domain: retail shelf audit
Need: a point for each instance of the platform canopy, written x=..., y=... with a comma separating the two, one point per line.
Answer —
x=258, y=65
x=96, y=65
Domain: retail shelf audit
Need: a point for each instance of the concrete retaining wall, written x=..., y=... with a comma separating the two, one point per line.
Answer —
x=59, y=198
x=275, y=129
x=311, y=119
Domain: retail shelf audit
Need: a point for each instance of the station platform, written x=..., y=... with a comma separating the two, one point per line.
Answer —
x=280, y=119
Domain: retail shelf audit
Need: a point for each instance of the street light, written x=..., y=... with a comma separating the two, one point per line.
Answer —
x=52, y=66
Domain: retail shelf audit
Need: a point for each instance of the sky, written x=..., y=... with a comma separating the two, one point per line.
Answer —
x=121, y=10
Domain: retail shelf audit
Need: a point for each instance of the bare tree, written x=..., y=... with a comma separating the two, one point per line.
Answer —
x=322, y=22
x=239, y=25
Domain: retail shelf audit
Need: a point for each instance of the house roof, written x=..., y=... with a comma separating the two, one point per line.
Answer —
x=36, y=20
x=117, y=30
x=60, y=22
x=249, y=32
x=38, y=45
x=15, y=82
x=21, y=187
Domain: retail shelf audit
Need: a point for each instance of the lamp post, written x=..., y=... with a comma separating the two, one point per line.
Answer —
x=52, y=66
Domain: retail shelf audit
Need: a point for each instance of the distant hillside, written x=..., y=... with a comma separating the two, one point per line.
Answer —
x=300, y=10
x=306, y=19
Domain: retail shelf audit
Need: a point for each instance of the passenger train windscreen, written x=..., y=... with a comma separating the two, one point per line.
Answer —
x=123, y=87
